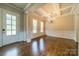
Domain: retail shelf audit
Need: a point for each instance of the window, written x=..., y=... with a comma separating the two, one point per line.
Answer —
x=41, y=26
x=10, y=24
x=34, y=26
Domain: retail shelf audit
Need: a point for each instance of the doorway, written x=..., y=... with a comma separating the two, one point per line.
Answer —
x=8, y=27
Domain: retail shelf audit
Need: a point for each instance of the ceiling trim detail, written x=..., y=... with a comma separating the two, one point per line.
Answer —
x=27, y=6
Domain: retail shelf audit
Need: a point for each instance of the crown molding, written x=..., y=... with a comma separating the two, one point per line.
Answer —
x=13, y=6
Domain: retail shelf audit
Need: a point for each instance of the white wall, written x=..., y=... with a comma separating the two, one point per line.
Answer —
x=61, y=27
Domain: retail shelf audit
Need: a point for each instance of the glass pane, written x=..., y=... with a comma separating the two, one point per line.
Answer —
x=34, y=22
x=8, y=33
x=8, y=27
x=13, y=22
x=14, y=32
x=13, y=27
x=13, y=17
x=8, y=16
x=8, y=21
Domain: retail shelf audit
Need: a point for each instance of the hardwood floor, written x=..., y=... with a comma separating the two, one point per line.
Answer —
x=43, y=46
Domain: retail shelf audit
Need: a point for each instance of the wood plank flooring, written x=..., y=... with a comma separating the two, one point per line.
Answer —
x=43, y=46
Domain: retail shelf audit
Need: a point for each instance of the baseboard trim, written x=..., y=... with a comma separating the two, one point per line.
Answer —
x=38, y=37
x=13, y=43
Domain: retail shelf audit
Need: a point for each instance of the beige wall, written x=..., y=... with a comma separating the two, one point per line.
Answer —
x=61, y=27
x=78, y=36
x=77, y=30
x=31, y=16
x=65, y=23
x=78, y=27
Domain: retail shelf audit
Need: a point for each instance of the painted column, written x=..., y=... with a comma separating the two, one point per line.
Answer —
x=28, y=28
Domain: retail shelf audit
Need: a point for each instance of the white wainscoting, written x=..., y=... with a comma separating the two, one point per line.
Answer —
x=0, y=39
x=20, y=37
x=62, y=34
x=0, y=44
x=0, y=36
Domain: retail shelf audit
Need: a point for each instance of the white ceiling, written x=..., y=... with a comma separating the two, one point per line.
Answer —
x=54, y=9
x=24, y=5
x=20, y=5
x=51, y=9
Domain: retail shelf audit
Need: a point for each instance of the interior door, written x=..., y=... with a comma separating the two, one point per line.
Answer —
x=10, y=28
x=0, y=29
